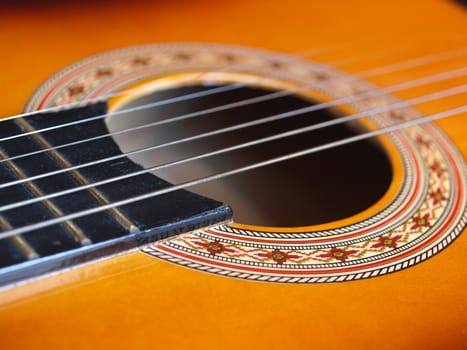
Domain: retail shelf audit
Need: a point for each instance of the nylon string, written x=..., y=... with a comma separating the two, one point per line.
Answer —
x=382, y=70
x=198, y=181
x=368, y=113
x=272, y=118
x=372, y=72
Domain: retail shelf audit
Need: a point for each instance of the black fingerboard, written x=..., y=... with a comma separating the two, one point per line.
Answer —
x=97, y=235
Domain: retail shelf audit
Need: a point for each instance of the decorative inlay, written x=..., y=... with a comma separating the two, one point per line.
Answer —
x=426, y=215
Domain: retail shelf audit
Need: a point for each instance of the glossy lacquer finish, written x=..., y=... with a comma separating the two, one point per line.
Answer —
x=137, y=301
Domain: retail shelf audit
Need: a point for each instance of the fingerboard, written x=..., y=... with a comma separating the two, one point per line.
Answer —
x=92, y=236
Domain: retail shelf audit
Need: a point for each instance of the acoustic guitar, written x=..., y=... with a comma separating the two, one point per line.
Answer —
x=234, y=174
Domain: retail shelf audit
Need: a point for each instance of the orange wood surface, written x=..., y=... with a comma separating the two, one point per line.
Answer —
x=135, y=301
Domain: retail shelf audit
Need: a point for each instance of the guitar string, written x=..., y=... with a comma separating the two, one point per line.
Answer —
x=268, y=119
x=369, y=113
x=370, y=56
x=104, y=209
x=292, y=57
x=236, y=104
x=288, y=58
x=372, y=72
x=198, y=181
x=274, y=95
x=264, y=120
x=416, y=62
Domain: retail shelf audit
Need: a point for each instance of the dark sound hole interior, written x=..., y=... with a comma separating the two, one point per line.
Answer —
x=313, y=189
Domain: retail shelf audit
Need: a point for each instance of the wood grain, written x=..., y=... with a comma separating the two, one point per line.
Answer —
x=134, y=301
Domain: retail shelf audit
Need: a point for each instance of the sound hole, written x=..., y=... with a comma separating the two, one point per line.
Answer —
x=313, y=189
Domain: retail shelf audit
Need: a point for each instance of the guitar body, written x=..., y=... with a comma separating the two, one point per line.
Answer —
x=153, y=299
